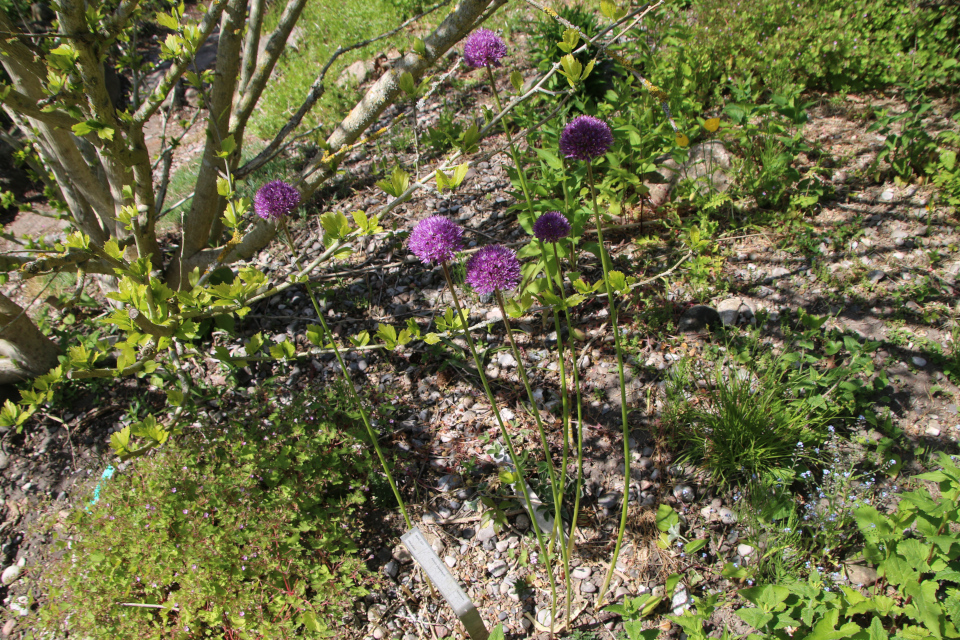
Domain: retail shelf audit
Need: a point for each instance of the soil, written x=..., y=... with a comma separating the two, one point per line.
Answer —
x=442, y=425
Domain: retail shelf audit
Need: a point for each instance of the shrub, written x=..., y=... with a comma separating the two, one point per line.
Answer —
x=246, y=525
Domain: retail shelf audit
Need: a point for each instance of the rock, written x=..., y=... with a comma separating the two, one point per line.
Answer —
x=450, y=561
x=684, y=493
x=744, y=550
x=709, y=512
x=486, y=533
x=699, y=318
x=431, y=517
x=509, y=586
x=876, y=276
x=8, y=627
x=609, y=500
x=933, y=431
x=391, y=569
x=441, y=630
x=449, y=482
x=734, y=311
x=861, y=575
x=522, y=522
x=506, y=360
x=544, y=617
x=401, y=555
x=887, y=195
x=920, y=362
x=680, y=601
x=4, y=461
x=497, y=568
x=357, y=73
x=581, y=573
x=587, y=587
x=10, y=574
x=706, y=166
x=726, y=516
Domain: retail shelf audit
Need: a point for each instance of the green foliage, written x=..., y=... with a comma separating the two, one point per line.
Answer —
x=911, y=149
x=777, y=45
x=245, y=529
x=916, y=551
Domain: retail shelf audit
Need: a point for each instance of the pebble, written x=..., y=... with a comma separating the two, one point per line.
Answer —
x=933, y=431
x=920, y=362
x=8, y=627
x=680, y=601
x=448, y=482
x=10, y=574
x=401, y=555
x=506, y=360
x=727, y=516
x=684, y=493
x=450, y=561
x=887, y=195
x=508, y=588
x=544, y=617
x=581, y=573
x=497, y=568
x=391, y=569
x=587, y=587
x=486, y=533
x=744, y=550
x=523, y=522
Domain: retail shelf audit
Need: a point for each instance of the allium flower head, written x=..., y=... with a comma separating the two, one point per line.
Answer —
x=493, y=268
x=436, y=239
x=275, y=200
x=585, y=138
x=551, y=227
x=484, y=48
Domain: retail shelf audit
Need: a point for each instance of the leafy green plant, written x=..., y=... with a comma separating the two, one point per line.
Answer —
x=911, y=149
x=245, y=530
x=916, y=551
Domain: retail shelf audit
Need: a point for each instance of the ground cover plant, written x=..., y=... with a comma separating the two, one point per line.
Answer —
x=504, y=301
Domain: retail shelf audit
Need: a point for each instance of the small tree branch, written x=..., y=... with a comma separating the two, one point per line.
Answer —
x=251, y=47
x=118, y=20
x=316, y=91
x=21, y=103
x=453, y=28
x=153, y=102
x=255, y=86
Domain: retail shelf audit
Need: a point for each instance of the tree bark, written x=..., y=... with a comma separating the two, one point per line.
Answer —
x=24, y=351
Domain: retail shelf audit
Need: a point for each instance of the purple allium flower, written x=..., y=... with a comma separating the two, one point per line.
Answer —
x=484, y=48
x=551, y=227
x=585, y=138
x=275, y=200
x=436, y=239
x=493, y=268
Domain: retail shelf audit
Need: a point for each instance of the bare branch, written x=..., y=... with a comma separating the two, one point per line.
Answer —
x=255, y=86
x=316, y=92
x=118, y=20
x=453, y=28
x=251, y=47
x=28, y=107
x=152, y=103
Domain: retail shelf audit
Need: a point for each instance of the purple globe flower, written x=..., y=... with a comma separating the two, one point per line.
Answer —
x=551, y=227
x=436, y=239
x=275, y=200
x=484, y=48
x=585, y=138
x=493, y=268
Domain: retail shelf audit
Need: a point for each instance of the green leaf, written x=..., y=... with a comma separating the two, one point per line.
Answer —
x=407, y=84
x=497, y=633
x=756, y=618
x=419, y=47
x=516, y=79
x=168, y=21
x=228, y=146
x=570, y=39
x=666, y=517
x=175, y=397
x=223, y=187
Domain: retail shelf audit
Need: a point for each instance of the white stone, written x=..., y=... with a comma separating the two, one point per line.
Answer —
x=744, y=550
x=10, y=574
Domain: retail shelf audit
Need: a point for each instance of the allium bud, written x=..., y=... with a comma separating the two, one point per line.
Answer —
x=551, y=227
x=436, y=239
x=484, y=48
x=585, y=138
x=493, y=268
x=275, y=200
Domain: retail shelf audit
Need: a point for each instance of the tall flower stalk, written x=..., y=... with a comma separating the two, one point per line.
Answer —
x=437, y=239
x=275, y=201
x=587, y=138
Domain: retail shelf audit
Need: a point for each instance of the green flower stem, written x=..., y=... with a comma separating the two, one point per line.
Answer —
x=506, y=437
x=604, y=260
x=513, y=148
x=571, y=541
x=327, y=335
x=555, y=487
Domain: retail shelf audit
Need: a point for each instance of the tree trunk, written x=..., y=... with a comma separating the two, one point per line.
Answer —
x=24, y=351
